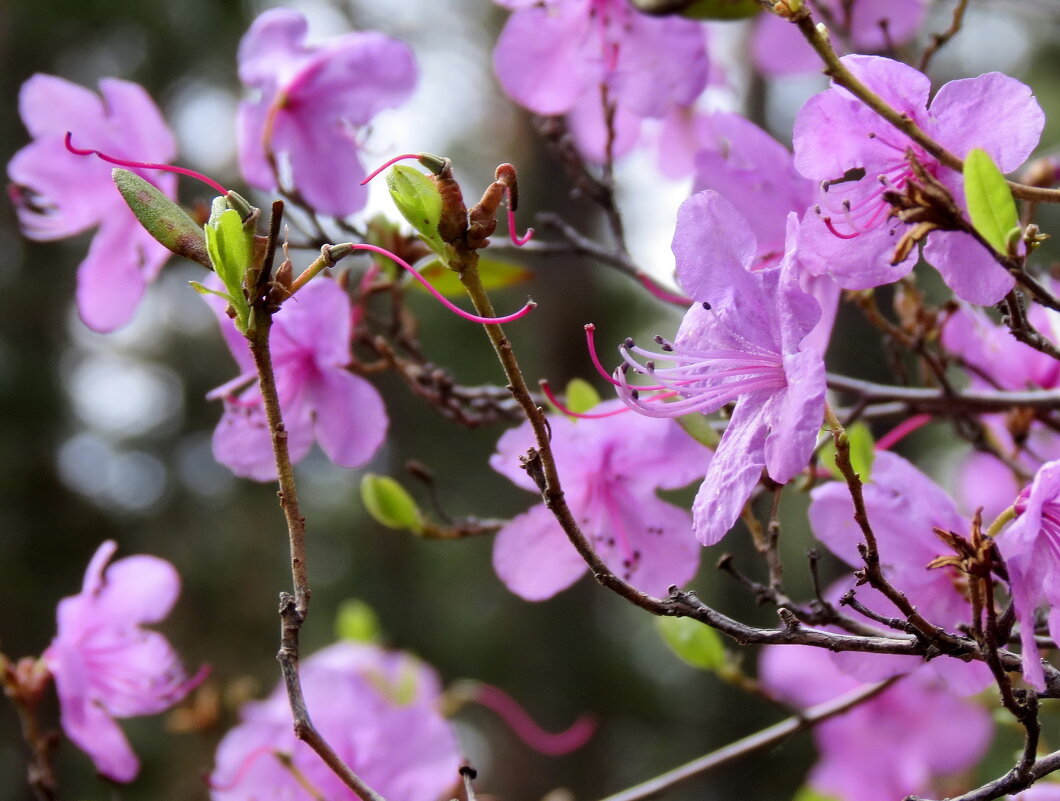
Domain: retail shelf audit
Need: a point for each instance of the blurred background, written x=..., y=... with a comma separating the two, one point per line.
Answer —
x=108, y=437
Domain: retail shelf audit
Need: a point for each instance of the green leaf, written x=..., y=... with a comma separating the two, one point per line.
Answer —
x=698, y=427
x=990, y=205
x=722, y=9
x=581, y=397
x=356, y=621
x=418, y=200
x=389, y=504
x=161, y=217
x=495, y=274
x=807, y=793
x=698, y=645
x=231, y=248
x=862, y=452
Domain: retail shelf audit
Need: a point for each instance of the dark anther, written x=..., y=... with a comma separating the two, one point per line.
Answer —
x=649, y=366
x=706, y=305
x=659, y=340
x=470, y=772
x=634, y=394
x=629, y=342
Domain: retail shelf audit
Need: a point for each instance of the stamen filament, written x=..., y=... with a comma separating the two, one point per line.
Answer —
x=526, y=309
x=392, y=161
x=143, y=165
x=547, y=389
x=902, y=430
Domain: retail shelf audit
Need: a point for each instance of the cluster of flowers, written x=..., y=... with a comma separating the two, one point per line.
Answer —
x=763, y=249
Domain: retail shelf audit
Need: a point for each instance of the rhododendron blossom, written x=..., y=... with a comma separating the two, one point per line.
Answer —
x=59, y=194
x=904, y=507
x=310, y=344
x=611, y=467
x=106, y=665
x=310, y=101
x=742, y=343
x=858, y=156
x=377, y=709
x=898, y=743
x=554, y=57
x=1031, y=549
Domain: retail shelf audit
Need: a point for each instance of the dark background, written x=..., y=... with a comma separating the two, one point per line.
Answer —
x=94, y=445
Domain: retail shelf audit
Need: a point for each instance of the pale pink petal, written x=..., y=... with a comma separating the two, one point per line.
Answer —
x=793, y=417
x=111, y=281
x=96, y=733
x=131, y=111
x=139, y=589
x=778, y=48
x=534, y=558
x=733, y=473
x=967, y=267
x=50, y=106
x=324, y=161
x=349, y=417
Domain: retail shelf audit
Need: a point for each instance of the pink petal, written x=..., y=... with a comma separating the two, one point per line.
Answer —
x=349, y=417
x=994, y=112
x=139, y=589
x=714, y=248
x=733, y=473
x=130, y=110
x=52, y=106
x=111, y=280
x=967, y=267
x=534, y=558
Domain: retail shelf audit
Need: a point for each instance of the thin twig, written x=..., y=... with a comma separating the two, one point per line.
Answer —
x=939, y=40
x=757, y=741
x=293, y=608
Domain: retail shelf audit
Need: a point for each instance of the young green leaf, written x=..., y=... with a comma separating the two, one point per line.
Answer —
x=862, y=452
x=807, y=793
x=698, y=645
x=418, y=200
x=389, y=504
x=722, y=9
x=990, y=205
x=698, y=427
x=356, y=621
x=494, y=273
x=161, y=217
x=231, y=248
x=581, y=397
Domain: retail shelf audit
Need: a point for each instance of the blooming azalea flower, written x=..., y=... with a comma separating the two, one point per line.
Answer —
x=554, y=56
x=858, y=156
x=904, y=507
x=309, y=102
x=377, y=709
x=106, y=665
x=755, y=173
x=58, y=194
x=610, y=467
x=319, y=398
x=742, y=343
x=1030, y=546
x=778, y=48
x=996, y=360
x=898, y=743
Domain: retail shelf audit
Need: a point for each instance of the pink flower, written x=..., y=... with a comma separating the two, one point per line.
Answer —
x=898, y=743
x=1031, y=548
x=319, y=397
x=904, y=507
x=310, y=101
x=779, y=48
x=610, y=468
x=742, y=342
x=106, y=666
x=58, y=194
x=838, y=138
x=377, y=709
x=553, y=57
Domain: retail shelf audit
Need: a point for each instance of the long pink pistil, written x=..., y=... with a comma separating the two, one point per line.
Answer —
x=902, y=430
x=392, y=161
x=143, y=165
x=526, y=309
x=517, y=240
x=524, y=727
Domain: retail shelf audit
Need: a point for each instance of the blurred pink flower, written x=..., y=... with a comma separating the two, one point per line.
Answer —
x=310, y=345
x=58, y=194
x=106, y=665
x=898, y=743
x=309, y=102
x=378, y=710
x=555, y=57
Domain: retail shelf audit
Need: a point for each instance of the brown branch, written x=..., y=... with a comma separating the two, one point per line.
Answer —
x=939, y=40
x=293, y=608
x=755, y=742
x=842, y=76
